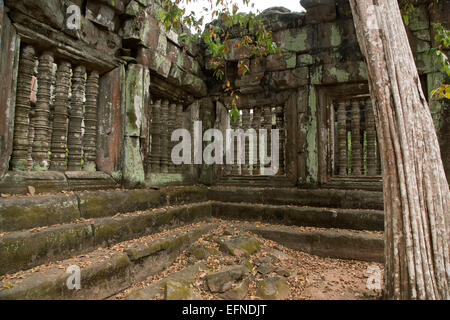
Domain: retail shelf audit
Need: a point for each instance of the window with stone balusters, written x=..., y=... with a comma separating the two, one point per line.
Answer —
x=56, y=113
x=263, y=117
x=353, y=138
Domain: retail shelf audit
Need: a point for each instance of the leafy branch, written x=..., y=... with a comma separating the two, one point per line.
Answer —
x=255, y=39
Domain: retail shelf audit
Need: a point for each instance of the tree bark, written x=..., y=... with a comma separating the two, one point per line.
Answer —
x=416, y=192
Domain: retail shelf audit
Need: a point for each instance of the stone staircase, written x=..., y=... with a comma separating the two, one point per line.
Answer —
x=121, y=238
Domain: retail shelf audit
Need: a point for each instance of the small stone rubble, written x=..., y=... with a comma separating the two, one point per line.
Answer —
x=229, y=263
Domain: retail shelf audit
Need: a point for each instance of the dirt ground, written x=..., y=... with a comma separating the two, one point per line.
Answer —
x=309, y=277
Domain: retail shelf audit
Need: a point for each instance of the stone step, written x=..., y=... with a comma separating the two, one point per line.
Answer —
x=341, y=244
x=326, y=198
x=185, y=277
x=356, y=219
x=264, y=266
x=52, y=181
x=103, y=272
x=374, y=183
x=21, y=250
x=256, y=181
x=22, y=213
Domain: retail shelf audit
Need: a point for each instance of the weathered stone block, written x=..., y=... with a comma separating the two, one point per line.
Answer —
x=425, y=63
x=133, y=168
x=417, y=45
x=102, y=15
x=117, y=5
x=343, y=9
x=18, y=182
x=344, y=72
x=305, y=60
x=23, y=250
x=313, y=3
x=50, y=12
x=321, y=13
x=419, y=19
x=9, y=49
x=276, y=21
x=102, y=40
x=273, y=289
x=250, y=80
x=145, y=3
x=110, y=125
x=103, y=204
x=194, y=84
x=31, y=212
x=290, y=78
x=222, y=281
x=132, y=9
x=276, y=62
x=237, y=51
x=159, y=63
x=297, y=40
x=440, y=12
x=330, y=35
x=240, y=247
x=85, y=180
x=137, y=85
x=176, y=290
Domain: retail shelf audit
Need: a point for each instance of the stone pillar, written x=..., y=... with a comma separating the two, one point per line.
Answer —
x=31, y=136
x=179, y=125
x=171, y=128
x=356, y=138
x=90, y=122
x=268, y=126
x=19, y=159
x=371, y=136
x=281, y=127
x=60, y=119
x=164, y=137
x=378, y=159
x=235, y=168
x=245, y=127
x=256, y=124
x=155, y=158
x=76, y=118
x=342, y=137
x=41, y=126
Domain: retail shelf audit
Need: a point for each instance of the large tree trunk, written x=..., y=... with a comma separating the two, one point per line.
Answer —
x=416, y=192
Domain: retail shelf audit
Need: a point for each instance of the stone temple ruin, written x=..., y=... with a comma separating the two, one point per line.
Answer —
x=86, y=117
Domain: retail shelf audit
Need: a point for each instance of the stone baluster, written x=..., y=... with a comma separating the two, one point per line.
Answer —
x=31, y=136
x=41, y=127
x=19, y=159
x=256, y=124
x=61, y=115
x=245, y=127
x=171, y=128
x=228, y=166
x=179, y=125
x=268, y=117
x=379, y=170
x=76, y=118
x=90, y=122
x=164, y=137
x=235, y=167
x=356, y=138
x=281, y=127
x=155, y=157
x=342, y=137
x=371, y=136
